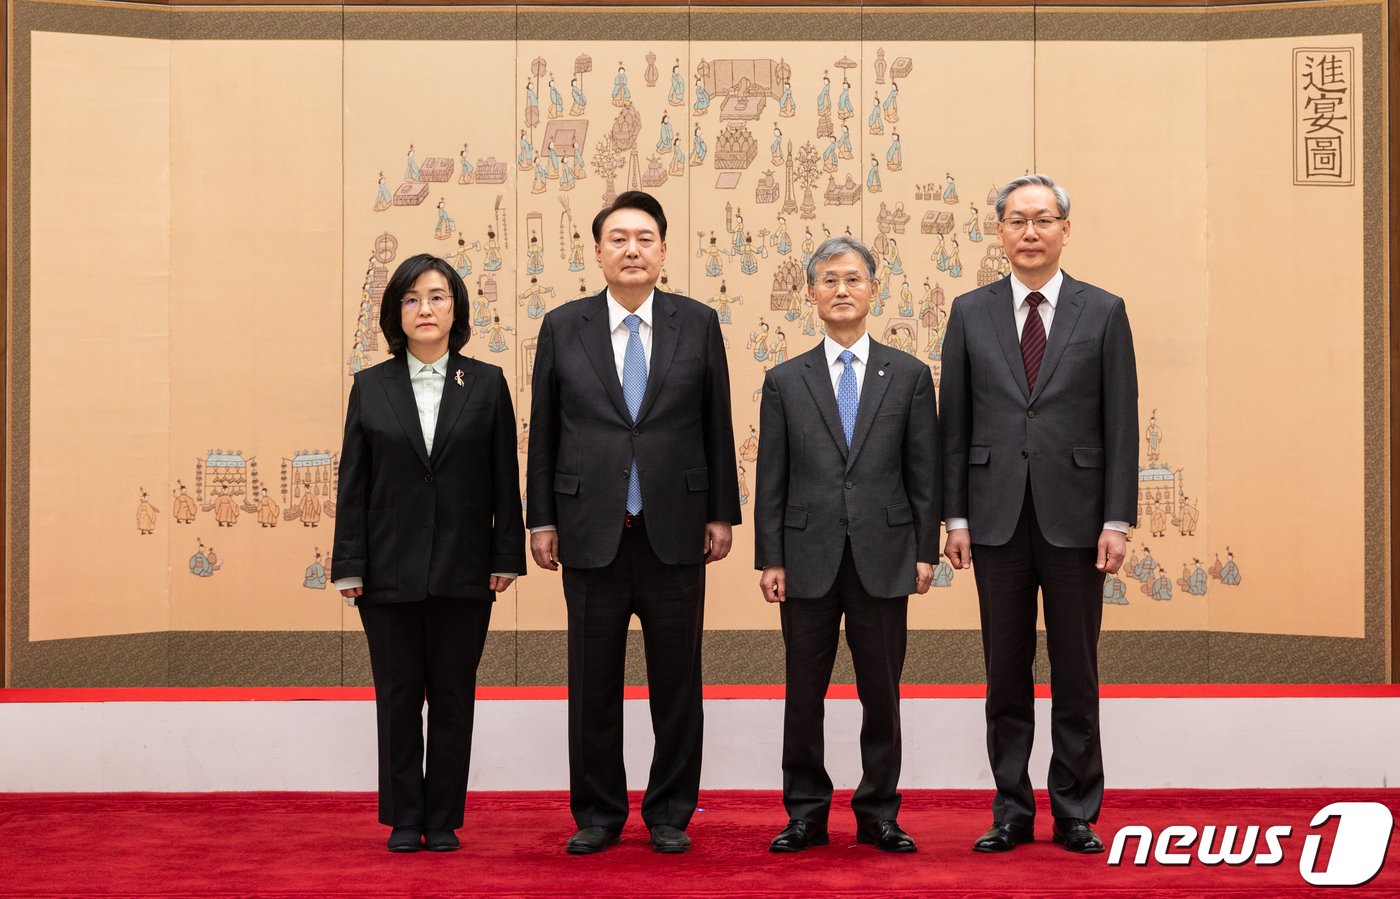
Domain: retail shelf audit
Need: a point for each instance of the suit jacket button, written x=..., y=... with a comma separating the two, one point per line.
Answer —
x=849, y=485
x=626, y=473
x=427, y=479
x=1025, y=455
x=636, y=432
x=843, y=521
x=1030, y=413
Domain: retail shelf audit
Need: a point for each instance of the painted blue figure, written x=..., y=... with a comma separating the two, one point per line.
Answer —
x=497, y=343
x=940, y=254
x=877, y=303
x=535, y=254
x=698, y=148
x=315, y=578
x=748, y=256
x=824, y=98
x=667, y=136
x=808, y=247
x=1115, y=592
x=1161, y=587
x=843, y=144
x=1197, y=581
x=461, y=260
x=950, y=193
x=787, y=106
x=200, y=566
x=1230, y=573
x=714, y=258
x=411, y=172
x=955, y=269
x=972, y=227
x=382, y=198
x=541, y=177
x=580, y=100
x=896, y=262
x=874, y=123
x=468, y=175
x=758, y=342
x=844, y=107
x=676, y=97
x=556, y=101
x=830, y=162
x=445, y=226
x=621, y=93
x=553, y=162
x=780, y=237
x=492, y=247
x=702, y=98
x=775, y=149
x=566, y=178
x=892, y=104
x=532, y=103
x=525, y=158
x=895, y=154
x=778, y=352
x=872, y=180
x=482, y=306
x=943, y=574
x=677, y=159
x=906, y=300
x=1144, y=568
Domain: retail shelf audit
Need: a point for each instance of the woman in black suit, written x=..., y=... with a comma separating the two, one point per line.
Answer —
x=428, y=530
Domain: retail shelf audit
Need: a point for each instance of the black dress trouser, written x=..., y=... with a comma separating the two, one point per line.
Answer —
x=1008, y=577
x=669, y=600
x=419, y=650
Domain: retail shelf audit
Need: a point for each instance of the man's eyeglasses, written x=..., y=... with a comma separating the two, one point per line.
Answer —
x=852, y=282
x=436, y=301
x=1041, y=224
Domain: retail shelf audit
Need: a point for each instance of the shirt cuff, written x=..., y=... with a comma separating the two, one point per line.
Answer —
x=346, y=583
x=510, y=574
x=1120, y=526
x=955, y=524
x=544, y=527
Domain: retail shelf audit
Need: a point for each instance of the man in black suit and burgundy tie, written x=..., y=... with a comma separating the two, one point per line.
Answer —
x=1040, y=450
x=846, y=525
x=633, y=488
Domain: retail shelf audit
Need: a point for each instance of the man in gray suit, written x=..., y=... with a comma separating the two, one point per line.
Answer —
x=1040, y=448
x=846, y=523
x=633, y=488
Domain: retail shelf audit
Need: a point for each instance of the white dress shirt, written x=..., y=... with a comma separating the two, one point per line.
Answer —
x=860, y=349
x=618, y=330
x=1021, y=309
x=428, y=380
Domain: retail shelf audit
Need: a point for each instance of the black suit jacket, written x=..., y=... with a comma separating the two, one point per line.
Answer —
x=1075, y=437
x=813, y=492
x=583, y=440
x=411, y=524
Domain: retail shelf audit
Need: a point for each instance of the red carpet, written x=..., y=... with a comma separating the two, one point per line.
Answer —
x=309, y=844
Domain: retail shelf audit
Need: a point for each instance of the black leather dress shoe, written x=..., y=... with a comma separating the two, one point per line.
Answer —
x=405, y=839
x=665, y=838
x=799, y=835
x=1076, y=836
x=441, y=841
x=887, y=836
x=1003, y=838
x=592, y=839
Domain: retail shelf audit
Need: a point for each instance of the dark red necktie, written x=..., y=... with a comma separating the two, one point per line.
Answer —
x=1033, y=339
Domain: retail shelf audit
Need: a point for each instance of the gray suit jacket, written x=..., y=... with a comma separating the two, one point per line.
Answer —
x=883, y=491
x=1075, y=436
x=583, y=440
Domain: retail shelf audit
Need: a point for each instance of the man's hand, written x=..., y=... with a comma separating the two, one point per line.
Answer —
x=773, y=583
x=923, y=577
x=719, y=536
x=958, y=549
x=352, y=592
x=544, y=546
x=499, y=584
x=1113, y=546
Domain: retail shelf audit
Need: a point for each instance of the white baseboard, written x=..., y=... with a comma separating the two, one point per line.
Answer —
x=1205, y=743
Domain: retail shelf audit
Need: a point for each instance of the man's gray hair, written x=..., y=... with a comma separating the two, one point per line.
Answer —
x=1061, y=195
x=837, y=246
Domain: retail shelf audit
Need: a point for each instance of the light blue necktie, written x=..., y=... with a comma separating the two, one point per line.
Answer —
x=634, y=387
x=847, y=396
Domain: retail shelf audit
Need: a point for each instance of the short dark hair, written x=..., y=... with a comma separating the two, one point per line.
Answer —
x=404, y=277
x=631, y=199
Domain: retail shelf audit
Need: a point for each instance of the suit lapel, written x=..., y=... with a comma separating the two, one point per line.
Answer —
x=454, y=398
x=872, y=392
x=818, y=378
x=1003, y=320
x=665, y=334
x=401, y=400
x=597, y=345
x=1067, y=311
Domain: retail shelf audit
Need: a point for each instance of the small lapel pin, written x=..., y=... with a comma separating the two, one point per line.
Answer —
x=881, y=372
x=460, y=383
